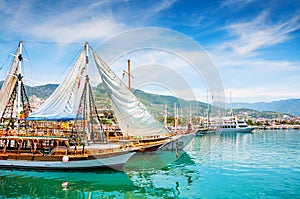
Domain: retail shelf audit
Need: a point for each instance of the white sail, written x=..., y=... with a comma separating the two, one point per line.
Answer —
x=9, y=82
x=63, y=104
x=133, y=117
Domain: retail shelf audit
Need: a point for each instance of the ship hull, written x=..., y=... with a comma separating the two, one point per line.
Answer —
x=236, y=130
x=115, y=162
x=178, y=142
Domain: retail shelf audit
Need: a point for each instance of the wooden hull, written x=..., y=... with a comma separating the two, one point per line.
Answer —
x=178, y=142
x=165, y=144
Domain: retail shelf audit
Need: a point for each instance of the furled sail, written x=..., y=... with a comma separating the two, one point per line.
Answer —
x=133, y=117
x=9, y=82
x=64, y=102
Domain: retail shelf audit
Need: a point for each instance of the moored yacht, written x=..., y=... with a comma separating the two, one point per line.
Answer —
x=234, y=125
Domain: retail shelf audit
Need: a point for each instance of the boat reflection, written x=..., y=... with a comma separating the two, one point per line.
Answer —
x=167, y=182
x=155, y=161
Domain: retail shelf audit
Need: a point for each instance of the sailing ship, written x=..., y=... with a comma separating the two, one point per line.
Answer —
x=138, y=127
x=64, y=133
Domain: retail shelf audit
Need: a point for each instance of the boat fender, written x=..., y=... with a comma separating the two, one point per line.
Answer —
x=65, y=158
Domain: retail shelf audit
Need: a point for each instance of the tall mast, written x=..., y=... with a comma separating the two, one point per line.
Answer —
x=231, y=111
x=88, y=110
x=19, y=76
x=128, y=67
x=190, y=119
x=128, y=74
x=207, y=109
x=175, y=117
x=165, y=115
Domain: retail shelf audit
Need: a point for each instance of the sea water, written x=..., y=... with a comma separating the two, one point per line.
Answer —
x=265, y=164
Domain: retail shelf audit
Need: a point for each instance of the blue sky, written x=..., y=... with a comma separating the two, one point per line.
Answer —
x=253, y=44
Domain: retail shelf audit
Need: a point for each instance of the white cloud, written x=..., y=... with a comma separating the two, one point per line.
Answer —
x=259, y=33
x=237, y=59
x=236, y=3
x=91, y=29
x=162, y=6
x=253, y=78
x=81, y=21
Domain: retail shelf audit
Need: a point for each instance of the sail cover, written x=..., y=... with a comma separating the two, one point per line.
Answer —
x=63, y=104
x=132, y=116
x=9, y=83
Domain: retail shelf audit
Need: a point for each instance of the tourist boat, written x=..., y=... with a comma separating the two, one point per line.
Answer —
x=234, y=125
x=64, y=133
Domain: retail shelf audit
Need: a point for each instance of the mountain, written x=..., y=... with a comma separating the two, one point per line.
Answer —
x=288, y=106
x=156, y=103
x=43, y=91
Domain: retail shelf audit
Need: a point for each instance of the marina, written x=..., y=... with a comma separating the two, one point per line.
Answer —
x=133, y=99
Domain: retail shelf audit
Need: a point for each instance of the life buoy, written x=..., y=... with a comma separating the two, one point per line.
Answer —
x=4, y=141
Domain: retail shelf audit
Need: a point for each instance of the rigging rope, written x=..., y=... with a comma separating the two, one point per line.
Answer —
x=52, y=42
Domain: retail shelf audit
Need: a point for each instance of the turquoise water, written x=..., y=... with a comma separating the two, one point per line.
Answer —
x=265, y=164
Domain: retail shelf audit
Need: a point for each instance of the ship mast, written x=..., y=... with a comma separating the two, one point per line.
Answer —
x=19, y=76
x=175, y=117
x=128, y=66
x=128, y=73
x=13, y=94
x=88, y=108
x=166, y=116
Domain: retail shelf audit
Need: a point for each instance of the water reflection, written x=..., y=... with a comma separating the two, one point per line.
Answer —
x=154, y=161
x=62, y=184
x=167, y=182
x=140, y=180
x=215, y=166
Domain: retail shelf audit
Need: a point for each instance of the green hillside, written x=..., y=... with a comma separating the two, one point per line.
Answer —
x=156, y=103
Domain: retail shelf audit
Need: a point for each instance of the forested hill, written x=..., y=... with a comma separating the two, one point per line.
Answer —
x=156, y=103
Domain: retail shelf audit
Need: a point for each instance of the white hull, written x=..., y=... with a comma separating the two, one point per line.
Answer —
x=236, y=130
x=115, y=161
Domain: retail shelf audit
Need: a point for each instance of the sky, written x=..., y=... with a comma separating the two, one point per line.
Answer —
x=252, y=44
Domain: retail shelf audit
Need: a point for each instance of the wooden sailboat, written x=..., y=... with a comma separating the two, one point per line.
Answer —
x=138, y=127
x=65, y=133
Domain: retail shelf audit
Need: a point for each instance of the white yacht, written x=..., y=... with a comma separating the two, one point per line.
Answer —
x=234, y=125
